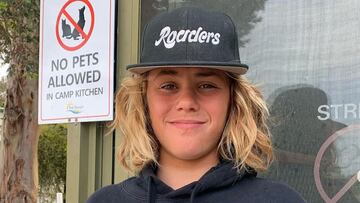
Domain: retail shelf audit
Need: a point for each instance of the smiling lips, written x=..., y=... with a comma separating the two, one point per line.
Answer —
x=186, y=124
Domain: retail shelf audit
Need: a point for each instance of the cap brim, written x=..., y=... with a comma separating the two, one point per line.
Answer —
x=229, y=67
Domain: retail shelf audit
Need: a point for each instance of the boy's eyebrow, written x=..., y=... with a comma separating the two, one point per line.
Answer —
x=166, y=72
x=207, y=73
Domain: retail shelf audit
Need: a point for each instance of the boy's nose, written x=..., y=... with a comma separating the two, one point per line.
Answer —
x=187, y=100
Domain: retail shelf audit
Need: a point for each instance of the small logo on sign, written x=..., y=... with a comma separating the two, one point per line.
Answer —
x=71, y=107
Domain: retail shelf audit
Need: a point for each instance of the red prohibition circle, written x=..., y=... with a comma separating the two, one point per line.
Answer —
x=318, y=158
x=81, y=32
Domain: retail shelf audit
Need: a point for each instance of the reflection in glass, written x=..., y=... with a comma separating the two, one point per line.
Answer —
x=305, y=57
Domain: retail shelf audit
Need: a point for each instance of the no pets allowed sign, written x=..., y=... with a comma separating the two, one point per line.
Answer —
x=76, y=60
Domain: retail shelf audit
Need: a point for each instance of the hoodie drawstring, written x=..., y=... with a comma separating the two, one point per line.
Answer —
x=151, y=196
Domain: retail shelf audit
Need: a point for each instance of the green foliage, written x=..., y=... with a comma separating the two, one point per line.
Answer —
x=19, y=34
x=52, y=157
x=3, y=5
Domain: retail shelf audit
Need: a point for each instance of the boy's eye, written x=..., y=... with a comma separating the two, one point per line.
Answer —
x=207, y=86
x=168, y=86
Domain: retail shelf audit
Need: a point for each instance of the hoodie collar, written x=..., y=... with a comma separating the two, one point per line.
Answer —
x=221, y=175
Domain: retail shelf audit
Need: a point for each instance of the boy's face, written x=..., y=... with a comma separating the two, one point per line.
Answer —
x=188, y=110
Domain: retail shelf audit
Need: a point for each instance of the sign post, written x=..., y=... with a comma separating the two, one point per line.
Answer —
x=76, y=73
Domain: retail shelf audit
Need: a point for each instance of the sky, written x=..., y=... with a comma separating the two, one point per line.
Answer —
x=3, y=69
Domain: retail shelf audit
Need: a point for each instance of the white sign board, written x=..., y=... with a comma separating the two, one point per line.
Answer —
x=76, y=61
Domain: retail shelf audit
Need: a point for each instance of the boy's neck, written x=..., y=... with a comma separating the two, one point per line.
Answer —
x=177, y=173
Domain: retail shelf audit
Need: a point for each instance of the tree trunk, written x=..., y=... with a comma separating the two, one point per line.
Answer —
x=19, y=169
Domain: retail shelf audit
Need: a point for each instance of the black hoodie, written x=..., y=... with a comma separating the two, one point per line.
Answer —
x=221, y=183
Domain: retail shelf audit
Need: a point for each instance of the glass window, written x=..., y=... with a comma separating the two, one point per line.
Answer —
x=304, y=56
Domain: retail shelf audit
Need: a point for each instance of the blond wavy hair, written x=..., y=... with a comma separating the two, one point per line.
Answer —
x=245, y=139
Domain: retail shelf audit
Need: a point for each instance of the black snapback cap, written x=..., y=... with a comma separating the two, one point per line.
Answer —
x=190, y=37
